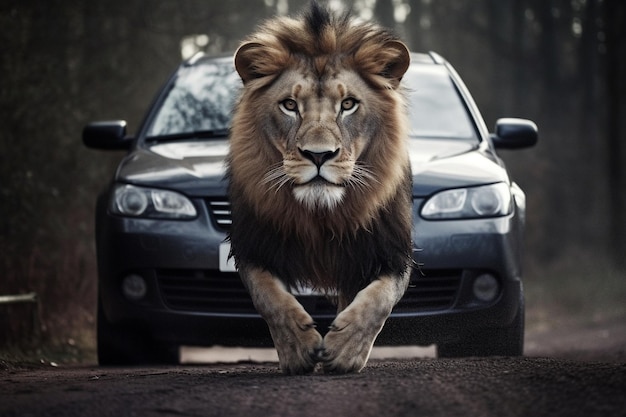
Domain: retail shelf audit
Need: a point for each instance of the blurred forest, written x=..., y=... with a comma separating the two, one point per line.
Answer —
x=64, y=63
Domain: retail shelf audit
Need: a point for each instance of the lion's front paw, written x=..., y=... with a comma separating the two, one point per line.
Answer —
x=348, y=343
x=298, y=344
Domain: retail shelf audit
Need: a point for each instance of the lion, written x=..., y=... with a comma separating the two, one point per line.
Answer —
x=320, y=182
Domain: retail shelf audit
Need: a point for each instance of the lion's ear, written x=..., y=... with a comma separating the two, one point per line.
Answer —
x=255, y=60
x=245, y=57
x=398, y=61
x=384, y=64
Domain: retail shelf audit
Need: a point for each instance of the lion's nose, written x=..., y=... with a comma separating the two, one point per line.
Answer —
x=319, y=158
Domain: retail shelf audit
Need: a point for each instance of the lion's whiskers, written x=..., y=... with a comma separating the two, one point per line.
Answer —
x=362, y=178
x=276, y=178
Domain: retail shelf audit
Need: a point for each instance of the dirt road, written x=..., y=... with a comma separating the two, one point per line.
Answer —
x=582, y=375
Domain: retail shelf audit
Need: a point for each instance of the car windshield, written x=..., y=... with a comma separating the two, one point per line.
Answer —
x=200, y=102
x=435, y=107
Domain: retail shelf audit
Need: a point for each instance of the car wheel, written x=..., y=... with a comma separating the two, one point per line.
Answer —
x=118, y=345
x=505, y=341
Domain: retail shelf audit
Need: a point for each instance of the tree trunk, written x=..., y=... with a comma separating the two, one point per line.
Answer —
x=615, y=16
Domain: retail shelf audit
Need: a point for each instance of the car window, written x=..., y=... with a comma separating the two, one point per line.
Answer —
x=436, y=109
x=201, y=99
x=203, y=96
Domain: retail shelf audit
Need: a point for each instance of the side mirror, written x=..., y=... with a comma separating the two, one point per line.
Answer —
x=514, y=134
x=110, y=135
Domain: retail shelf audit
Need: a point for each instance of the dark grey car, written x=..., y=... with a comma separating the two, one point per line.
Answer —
x=165, y=279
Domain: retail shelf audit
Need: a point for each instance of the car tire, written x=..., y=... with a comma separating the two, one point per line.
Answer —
x=504, y=341
x=127, y=346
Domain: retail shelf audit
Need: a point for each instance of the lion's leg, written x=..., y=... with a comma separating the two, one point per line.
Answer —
x=292, y=328
x=348, y=343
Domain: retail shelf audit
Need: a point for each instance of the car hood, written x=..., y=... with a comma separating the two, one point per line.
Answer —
x=194, y=167
x=440, y=164
x=197, y=167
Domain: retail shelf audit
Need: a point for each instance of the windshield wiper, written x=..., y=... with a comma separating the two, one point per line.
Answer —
x=196, y=134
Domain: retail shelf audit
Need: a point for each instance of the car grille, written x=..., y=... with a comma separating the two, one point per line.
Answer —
x=220, y=292
x=204, y=291
x=220, y=213
x=430, y=290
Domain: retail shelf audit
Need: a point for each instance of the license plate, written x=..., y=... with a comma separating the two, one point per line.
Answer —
x=226, y=264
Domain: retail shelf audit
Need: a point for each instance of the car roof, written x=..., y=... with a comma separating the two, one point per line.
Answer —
x=201, y=57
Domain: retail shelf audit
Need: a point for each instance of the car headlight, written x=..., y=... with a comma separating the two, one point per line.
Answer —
x=465, y=203
x=130, y=200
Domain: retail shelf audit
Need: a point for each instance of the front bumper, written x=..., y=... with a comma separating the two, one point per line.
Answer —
x=189, y=302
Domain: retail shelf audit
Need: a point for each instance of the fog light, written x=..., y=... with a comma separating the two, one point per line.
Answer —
x=486, y=287
x=134, y=287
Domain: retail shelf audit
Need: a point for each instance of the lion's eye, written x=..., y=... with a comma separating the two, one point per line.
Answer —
x=289, y=106
x=349, y=105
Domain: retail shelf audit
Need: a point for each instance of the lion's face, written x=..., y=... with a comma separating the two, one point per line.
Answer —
x=319, y=127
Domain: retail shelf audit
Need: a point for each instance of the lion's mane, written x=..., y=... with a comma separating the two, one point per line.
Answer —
x=369, y=232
